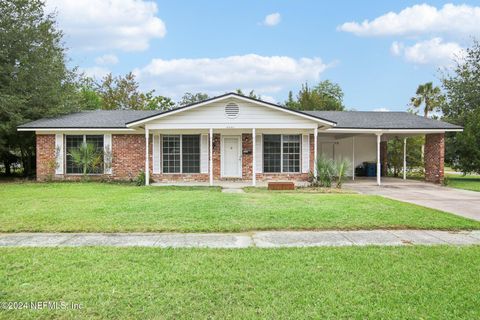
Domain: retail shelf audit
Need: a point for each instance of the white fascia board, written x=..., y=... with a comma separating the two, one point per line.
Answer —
x=139, y=122
x=126, y=130
x=376, y=131
x=229, y=126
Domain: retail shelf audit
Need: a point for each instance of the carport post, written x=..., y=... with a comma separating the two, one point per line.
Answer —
x=254, y=170
x=210, y=163
x=147, y=165
x=379, y=173
x=315, y=143
x=353, y=158
x=404, y=158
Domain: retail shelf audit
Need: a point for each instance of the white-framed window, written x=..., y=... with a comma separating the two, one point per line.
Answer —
x=181, y=153
x=281, y=153
x=74, y=142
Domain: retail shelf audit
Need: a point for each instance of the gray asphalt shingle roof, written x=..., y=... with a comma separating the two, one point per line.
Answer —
x=116, y=119
x=91, y=119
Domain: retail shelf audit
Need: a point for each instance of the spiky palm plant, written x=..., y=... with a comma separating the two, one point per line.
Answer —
x=341, y=169
x=87, y=156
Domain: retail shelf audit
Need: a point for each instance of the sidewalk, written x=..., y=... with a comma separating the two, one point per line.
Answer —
x=261, y=239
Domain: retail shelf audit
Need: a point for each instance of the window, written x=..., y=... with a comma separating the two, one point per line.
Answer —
x=291, y=153
x=74, y=142
x=272, y=153
x=171, y=154
x=191, y=154
x=181, y=153
x=281, y=153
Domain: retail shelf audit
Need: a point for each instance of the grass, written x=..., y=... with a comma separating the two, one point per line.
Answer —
x=301, y=283
x=469, y=182
x=96, y=207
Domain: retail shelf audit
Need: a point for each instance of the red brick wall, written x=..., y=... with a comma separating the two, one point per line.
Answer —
x=45, y=156
x=384, y=157
x=247, y=156
x=434, y=157
x=128, y=155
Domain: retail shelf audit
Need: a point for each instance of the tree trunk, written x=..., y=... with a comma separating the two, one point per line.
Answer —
x=8, y=171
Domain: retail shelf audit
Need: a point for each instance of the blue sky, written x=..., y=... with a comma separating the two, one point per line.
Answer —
x=271, y=46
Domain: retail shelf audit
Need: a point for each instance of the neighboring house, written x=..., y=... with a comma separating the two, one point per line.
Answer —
x=229, y=137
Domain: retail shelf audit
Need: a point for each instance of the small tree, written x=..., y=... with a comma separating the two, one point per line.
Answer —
x=88, y=157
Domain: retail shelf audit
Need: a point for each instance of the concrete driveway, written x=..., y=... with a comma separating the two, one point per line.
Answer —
x=460, y=202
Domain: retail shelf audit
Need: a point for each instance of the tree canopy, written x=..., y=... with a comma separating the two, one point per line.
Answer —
x=189, y=98
x=326, y=95
x=34, y=79
x=429, y=96
x=123, y=93
x=462, y=107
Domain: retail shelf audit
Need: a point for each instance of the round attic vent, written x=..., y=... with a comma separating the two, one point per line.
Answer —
x=232, y=110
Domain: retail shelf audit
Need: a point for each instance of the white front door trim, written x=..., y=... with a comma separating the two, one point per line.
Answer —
x=222, y=157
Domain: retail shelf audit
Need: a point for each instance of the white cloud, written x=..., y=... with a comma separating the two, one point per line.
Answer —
x=272, y=19
x=397, y=48
x=268, y=98
x=108, y=24
x=457, y=20
x=106, y=59
x=382, y=110
x=434, y=51
x=95, y=72
x=264, y=74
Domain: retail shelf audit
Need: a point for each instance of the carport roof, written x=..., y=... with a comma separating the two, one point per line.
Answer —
x=381, y=120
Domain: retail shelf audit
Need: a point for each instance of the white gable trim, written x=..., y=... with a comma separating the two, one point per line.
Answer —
x=225, y=97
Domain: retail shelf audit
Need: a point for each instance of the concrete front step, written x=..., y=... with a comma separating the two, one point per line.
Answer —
x=261, y=239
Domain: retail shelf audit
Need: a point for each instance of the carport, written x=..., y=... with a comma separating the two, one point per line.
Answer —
x=363, y=136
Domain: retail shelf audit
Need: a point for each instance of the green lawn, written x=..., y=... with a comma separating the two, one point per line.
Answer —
x=318, y=283
x=96, y=207
x=469, y=182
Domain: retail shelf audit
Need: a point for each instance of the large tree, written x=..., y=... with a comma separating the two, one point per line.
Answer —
x=123, y=93
x=189, y=98
x=326, y=95
x=429, y=97
x=462, y=107
x=34, y=79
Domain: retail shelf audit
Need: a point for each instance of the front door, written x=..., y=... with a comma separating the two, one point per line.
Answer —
x=232, y=157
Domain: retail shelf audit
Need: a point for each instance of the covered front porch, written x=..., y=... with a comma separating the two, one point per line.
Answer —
x=221, y=156
x=254, y=156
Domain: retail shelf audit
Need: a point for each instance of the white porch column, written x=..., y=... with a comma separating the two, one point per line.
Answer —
x=315, y=137
x=147, y=163
x=254, y=169
x=404, y=158
x=379, y=173
x=353, y=158
x=210, y=157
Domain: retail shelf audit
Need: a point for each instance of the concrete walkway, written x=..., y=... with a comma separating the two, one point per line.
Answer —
x=266, y=239
x=464, y=203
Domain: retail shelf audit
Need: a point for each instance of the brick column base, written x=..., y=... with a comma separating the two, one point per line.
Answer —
x=434, y=157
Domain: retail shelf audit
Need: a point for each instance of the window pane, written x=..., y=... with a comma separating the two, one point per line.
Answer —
x=72, y=142
x=191, y=153
x=171, y=154
x=291, y=153
x=272, y=153
x=97, y=141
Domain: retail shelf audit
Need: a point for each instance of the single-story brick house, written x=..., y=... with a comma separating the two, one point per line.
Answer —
x=229, y=137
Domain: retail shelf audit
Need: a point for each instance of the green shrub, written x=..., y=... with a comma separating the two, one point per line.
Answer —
x=328, y=172
x=140, y=179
